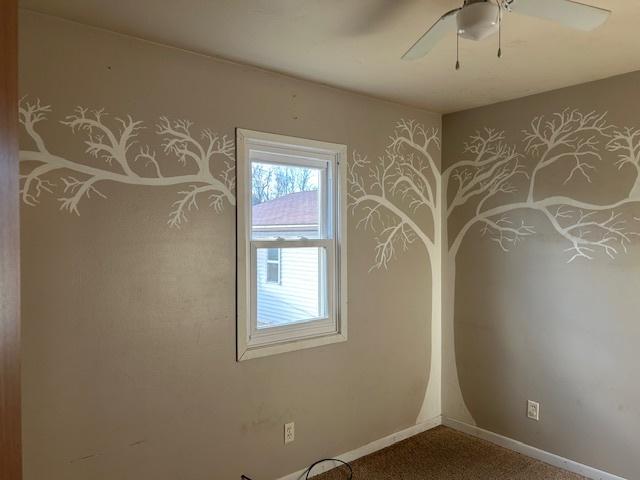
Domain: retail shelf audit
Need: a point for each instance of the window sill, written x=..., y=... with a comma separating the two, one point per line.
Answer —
x=258, y=351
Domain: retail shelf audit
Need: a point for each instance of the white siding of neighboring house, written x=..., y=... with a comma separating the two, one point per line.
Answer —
x=296, y=297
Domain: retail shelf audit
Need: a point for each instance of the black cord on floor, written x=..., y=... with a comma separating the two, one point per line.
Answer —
x=330, y=460
x=307, y=472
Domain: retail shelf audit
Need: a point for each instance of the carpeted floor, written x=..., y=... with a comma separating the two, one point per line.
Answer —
x=446, y=454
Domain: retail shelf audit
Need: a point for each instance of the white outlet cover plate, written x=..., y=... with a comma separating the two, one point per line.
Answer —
x=289, y=432
x=533, y=410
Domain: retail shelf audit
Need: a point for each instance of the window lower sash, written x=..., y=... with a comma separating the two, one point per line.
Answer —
x=325, y=323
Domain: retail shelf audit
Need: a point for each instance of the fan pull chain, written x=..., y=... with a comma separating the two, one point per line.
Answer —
x=500, y=32
x=457, y=50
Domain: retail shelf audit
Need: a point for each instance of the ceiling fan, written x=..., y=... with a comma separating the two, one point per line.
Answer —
x=479, y=19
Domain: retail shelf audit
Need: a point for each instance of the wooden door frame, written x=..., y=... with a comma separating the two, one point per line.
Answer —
x=10, y=425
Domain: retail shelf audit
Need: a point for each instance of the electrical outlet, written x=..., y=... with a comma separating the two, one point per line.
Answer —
x=533, y=410
x=289, y=432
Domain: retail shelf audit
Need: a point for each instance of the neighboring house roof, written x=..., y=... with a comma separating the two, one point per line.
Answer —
x=299, y=208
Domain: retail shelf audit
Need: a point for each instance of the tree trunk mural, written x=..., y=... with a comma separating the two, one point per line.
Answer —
x=491, y=187
x=626, y=142
x=389, y=196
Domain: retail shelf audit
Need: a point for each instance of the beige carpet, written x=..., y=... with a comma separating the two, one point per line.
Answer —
x=443, y=453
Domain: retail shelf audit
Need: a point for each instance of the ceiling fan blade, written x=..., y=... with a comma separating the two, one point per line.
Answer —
x=566, y=12
x=438, y=30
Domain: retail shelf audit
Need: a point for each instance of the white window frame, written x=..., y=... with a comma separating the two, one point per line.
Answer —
x=277, y=262
x=332, y=327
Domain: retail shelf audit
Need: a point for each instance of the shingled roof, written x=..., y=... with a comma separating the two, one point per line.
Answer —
x=299, y=208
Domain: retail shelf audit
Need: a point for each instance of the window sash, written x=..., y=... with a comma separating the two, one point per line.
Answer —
x=326, y=207
x=264, y=147
x=313, y=327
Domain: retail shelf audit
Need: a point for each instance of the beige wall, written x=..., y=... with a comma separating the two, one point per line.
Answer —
x=129, y=324
x=529, y=325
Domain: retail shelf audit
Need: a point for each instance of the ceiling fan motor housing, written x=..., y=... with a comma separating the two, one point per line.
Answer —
x=478, y=20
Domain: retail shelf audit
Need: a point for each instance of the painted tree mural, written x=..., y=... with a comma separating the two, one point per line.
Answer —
x=403, y=197
x=626, y=143
x=389, y=196
x=491, y=188
x=202, y=164
x=399, y=185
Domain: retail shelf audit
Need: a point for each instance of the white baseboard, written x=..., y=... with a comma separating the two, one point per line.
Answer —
x=369, y=448
x=533, y=452
x=497, y=439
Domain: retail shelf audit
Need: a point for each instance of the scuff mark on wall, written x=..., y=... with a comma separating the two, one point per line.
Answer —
x=80, y=459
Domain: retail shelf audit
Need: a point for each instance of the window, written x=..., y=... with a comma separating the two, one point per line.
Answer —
x=291, y=244
x=273, y=265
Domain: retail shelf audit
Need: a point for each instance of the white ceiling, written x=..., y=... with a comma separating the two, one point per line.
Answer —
x=357, y=44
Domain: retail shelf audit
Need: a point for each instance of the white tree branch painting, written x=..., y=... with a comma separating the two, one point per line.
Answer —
x=392, y=190
x=626, y=143
x=496, y=183
x=389, y=196
x=114, y=155
x=403, y=197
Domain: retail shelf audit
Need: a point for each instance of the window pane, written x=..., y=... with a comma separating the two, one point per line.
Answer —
x=273, y=254
x=285, y=201
x=300, y=295
x=273, y=272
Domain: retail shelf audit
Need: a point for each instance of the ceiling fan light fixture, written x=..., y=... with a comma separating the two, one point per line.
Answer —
x=478, y=21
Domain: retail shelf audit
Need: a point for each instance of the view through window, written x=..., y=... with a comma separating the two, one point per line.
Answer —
x=291, y=210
